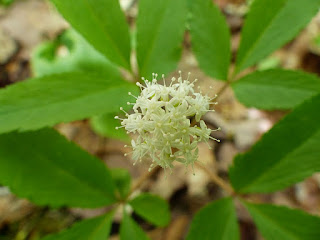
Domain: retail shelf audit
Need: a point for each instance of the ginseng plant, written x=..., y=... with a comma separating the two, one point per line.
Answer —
x=107, y=59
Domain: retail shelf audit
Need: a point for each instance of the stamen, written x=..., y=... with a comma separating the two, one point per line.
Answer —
x=145, y=81
x=129, y=93
x=164, y=80
x=121, y=108
x=218, y=140
x=214, y=97
x=189, y=73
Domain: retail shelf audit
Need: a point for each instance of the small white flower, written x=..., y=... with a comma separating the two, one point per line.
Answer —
x=161, y=118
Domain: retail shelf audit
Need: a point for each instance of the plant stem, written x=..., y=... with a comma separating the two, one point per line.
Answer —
x=142, y=179
x=222, y=89
x=217, y=180
x=231, y=78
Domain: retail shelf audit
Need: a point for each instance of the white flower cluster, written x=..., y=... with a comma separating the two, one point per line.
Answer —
x=161, y=118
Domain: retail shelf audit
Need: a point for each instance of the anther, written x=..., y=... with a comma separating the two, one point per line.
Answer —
x=164, y=80
x=189, y=73
x=132, y=95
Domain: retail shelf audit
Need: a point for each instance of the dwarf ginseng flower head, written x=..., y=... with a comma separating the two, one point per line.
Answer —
x=161, y=118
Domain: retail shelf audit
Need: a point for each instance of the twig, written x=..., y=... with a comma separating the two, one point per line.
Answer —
x=217, y=180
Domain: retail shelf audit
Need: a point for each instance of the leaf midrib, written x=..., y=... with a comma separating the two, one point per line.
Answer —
x=73, y=98
x=274, y=165
x=229, y=222
x=101, y=224
x=156, y=34
x=253, y=46
x=286, y=231
x=284, y=87
x=65, y=172
x=122, y=57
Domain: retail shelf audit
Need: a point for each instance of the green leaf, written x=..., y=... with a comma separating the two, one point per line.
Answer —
x=210, y=38
x=46, y=168
x=269, y=25
x=152, y=208
x=283, y=223
x=130, y=230
x=91, y=229
x=276, y=89
x=69, y=52
x=105, y=125
x=65, y=97
x=270, y=62
x=160, y=29
x=122, y=180
x=216, y=221
x=287, y=154
x=102, y=23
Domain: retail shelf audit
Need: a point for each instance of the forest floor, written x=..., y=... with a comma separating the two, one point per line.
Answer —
x=26, y=23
